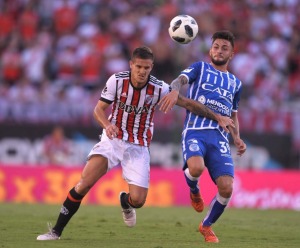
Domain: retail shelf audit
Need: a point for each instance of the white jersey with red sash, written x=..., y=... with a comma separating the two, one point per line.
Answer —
x=133, y=108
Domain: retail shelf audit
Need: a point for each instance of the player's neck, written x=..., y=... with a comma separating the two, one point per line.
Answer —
x=138, y=85
x=222, y=68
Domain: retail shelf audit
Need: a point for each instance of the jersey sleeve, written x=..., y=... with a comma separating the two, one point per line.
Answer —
x=166, y=88
x=109, y=91
x=191, y=72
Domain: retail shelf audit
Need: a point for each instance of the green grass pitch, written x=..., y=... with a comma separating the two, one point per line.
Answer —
x=99, y=226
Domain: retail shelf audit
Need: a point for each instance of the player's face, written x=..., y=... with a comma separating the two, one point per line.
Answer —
x=221, y=52
x=140, y=71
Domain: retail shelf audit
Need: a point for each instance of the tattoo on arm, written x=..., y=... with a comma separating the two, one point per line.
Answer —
x=203, y=111
x=197, y=108
x=178, y=82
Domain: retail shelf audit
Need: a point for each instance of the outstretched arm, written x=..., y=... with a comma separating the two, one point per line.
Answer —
x=200, y=109
x=169, y=100
x=235, y=133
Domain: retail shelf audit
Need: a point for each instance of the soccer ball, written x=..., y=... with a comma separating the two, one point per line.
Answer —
x=183, y=29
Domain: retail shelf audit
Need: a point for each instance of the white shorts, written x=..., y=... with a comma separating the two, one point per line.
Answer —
x=134, y=159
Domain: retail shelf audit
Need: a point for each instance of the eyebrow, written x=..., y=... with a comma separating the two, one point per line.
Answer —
x=216, y=44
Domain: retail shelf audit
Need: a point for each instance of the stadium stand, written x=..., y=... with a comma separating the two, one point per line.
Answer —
x=56, y=55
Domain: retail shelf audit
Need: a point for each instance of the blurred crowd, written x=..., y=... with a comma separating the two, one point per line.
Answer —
x=55, y=56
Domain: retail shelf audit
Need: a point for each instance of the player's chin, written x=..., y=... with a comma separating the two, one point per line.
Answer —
x=219, y=61
x=142, y=81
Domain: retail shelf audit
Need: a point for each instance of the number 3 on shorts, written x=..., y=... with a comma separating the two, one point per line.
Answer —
x=224, y=147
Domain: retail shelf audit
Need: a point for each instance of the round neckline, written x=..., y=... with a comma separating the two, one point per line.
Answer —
x=217, y=69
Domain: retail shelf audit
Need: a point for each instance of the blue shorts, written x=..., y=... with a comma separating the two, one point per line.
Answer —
x=213, y=147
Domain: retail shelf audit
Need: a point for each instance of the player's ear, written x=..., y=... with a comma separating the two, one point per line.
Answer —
x=231, y=56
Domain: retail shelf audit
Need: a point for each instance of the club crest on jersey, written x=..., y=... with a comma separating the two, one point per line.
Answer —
x=193, y=145
x=148, y=99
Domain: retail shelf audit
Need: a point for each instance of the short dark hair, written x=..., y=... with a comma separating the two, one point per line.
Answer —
x=142, y=52
x=225, y=35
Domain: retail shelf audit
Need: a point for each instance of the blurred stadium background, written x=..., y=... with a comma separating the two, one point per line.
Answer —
x=55, y=57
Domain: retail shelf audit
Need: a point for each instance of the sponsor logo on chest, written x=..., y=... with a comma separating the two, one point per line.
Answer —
x=133, y=109
x=222, y=92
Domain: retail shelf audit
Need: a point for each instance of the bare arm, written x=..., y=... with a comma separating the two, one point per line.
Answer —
x=169, y=100
x=200, y=109
x=101, y=118
x=235, y=133
x=178, y=82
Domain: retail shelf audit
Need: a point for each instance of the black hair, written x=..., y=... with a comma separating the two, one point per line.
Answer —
x=142, y=52
x=225, y=35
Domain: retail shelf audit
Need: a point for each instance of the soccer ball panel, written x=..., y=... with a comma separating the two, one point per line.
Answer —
x=183, y=29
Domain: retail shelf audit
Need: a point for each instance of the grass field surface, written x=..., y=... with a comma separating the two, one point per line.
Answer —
x=99, y=226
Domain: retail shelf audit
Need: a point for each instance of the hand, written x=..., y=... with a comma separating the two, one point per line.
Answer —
x=241, y=146
x=168, y=101
x=225, y=122
x=111, y=131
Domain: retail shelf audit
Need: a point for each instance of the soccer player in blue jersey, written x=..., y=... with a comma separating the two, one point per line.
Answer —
x=204, y=142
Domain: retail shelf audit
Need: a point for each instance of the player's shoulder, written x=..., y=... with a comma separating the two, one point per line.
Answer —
x=122, y=75
x=155, y=81
x=235, y=79
x=195, y=65
x=193, y=69
x=200, y=63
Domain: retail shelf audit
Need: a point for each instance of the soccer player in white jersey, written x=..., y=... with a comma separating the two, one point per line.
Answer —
x=204, y=142
x=126, y=137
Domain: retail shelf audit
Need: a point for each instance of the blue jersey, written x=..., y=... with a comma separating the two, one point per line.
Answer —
x=220, y=91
